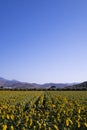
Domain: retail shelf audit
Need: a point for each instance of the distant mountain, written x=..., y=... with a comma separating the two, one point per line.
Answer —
x=50, y=85
x=2, y=79
x=14, y=84
x=80, y=86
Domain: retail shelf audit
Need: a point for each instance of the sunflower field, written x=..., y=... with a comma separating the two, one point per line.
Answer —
x=43, y=110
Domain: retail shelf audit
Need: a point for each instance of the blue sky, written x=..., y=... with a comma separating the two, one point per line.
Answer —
x=43, y=40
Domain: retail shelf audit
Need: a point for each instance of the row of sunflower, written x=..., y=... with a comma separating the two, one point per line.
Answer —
x=43, y=110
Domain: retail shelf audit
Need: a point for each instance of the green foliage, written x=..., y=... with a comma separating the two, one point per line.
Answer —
x=43, y=110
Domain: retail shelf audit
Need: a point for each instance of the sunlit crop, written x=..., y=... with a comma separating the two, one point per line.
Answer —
x=43, y=110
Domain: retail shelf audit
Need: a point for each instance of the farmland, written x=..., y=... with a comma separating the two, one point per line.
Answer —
x=43, y=110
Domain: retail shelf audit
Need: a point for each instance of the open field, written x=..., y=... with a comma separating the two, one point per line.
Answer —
x=43, y=110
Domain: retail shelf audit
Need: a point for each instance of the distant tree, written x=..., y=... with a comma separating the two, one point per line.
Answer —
x=53, y=87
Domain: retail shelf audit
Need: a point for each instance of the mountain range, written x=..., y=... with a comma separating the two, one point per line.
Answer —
x=14, y=84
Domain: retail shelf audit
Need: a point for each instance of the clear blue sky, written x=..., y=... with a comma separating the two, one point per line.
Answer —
x=43, y=40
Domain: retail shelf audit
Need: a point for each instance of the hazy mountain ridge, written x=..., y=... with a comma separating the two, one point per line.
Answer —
x=49, y=85
x=80, y=86
x=14, y=84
